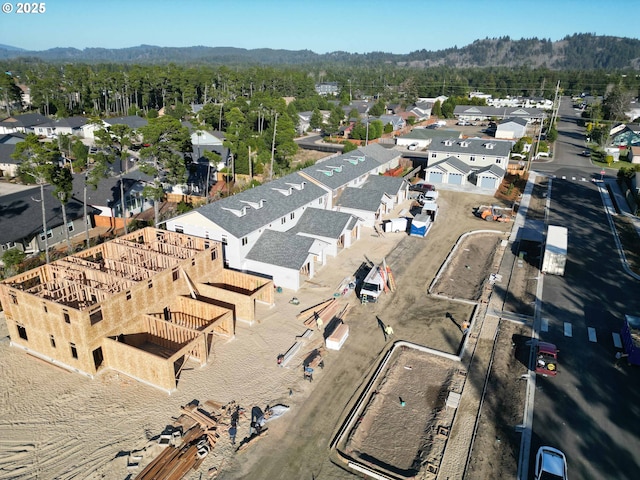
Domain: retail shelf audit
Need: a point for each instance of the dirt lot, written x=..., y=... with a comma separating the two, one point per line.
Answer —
x=414, y=316
x=496, y=446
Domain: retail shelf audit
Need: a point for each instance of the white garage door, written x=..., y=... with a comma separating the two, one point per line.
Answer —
x=455, y=179
x=489, y=182
x=435, y=177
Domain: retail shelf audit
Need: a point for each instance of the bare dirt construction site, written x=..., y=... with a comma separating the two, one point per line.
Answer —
x=63, y=425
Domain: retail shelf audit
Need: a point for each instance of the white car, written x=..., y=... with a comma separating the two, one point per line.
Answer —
x=551, y=464
x=413, y=147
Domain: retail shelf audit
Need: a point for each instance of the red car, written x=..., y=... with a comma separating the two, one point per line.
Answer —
x=546, y=359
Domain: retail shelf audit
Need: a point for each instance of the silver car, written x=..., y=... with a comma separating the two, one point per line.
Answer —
x=551, y=464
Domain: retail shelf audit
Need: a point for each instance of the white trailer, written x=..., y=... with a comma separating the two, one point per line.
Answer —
x=396, y=225
x=555, y=250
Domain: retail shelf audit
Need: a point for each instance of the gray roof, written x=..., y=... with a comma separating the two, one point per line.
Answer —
x=367, y=200
x=501, y=112
x=6, y=150
x=21, y=213
x=455, y=163
x=107, y=192
x=12, y=138
x=520, y=121
x=132, y=121
x=71, y=122
x=339, y=171
x=25, y=120
x=431, y=134
x=282, y=249
x=385, y=184
x=473, y=146
x=323, y=223
x=261, y=205
x=494, y=169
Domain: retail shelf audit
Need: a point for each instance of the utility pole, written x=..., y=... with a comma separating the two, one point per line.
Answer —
x=273, y=146
x=250, y=165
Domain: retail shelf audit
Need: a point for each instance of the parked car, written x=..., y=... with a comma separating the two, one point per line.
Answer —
x=413, y=147
x=551, y=464
x=585, y=153
x=546, y=359
x=422, y=187
x=463, y=123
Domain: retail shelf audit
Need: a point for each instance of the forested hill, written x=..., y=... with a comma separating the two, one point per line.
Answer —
x=578, y=51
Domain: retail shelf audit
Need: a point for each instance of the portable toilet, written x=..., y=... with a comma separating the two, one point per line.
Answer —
x=420, y=225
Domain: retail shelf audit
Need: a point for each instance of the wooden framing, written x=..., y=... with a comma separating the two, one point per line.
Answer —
x=127, y=304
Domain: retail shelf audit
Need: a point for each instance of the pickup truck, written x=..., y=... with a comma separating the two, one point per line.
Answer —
x=546, y=359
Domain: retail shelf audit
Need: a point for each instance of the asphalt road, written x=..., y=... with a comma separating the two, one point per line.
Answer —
x=591, y=409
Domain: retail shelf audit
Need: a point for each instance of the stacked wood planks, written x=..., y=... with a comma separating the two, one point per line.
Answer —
x=319, y=315
x=175, y=462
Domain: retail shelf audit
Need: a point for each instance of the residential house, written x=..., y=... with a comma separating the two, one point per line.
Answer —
x=488, y=177
x=287, y=258
x=62, y=126
x=21, y=220
x=477, y=154
x=144, y=304
x=361, y=106
x=8, y=165
x=421, y=110
x=449, y=171
x=133, y=121
x=327, y=88
x=625, y=135
x=480, y=113
x=396, y=121
x=238, y=221
x=423, y=137
x=106, y=201
x=337, y=230
x=634, y=154
x=24, y=123
x=511, y=128
x=367, y=204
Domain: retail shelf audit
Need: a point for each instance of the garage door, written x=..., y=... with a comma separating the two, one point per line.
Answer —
x=488, y=182
x=455, y=179
x=435, y=177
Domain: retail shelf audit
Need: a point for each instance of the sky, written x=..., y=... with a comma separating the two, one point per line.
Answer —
x=356, y=26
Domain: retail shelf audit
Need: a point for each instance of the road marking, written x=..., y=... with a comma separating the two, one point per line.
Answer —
x=568, y=329
x=592, y=334
x=544, y=326
x=617, y=342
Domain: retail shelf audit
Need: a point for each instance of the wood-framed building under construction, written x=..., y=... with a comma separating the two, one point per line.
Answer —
x=142, y=304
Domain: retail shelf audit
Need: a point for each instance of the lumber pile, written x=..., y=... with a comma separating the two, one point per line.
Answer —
x=319, y=315
x=174, y=462
x=202, y=433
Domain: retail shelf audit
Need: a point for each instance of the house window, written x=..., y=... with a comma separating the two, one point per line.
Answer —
x=129, y=295
x=22, y=332
x=472, y=158
x=150, y=284
x=283, y=220
x=206, y=244
x=214, y=254
x=175, y=275
x=44, y=306
x=74, y=350
x=14, y=298
x=179, y=229
x=49, y=235
x=498, y=160
x=293, y=215
x=67, y=318
x=193, y=262
x=245, y=240
x=52, y=340
x=70, y=226
x=96, y=317
x=434, y=155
